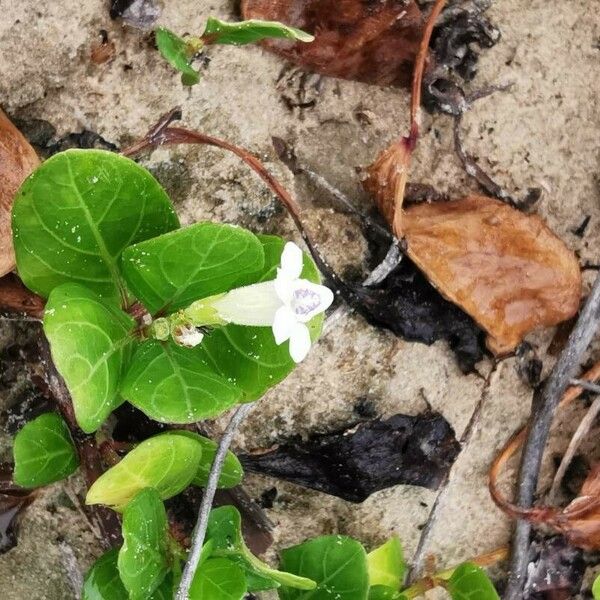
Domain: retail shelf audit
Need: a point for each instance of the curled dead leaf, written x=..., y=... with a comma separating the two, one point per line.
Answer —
x=375, y=42
x=16, y=298
x=17, y=160
x=504, y=268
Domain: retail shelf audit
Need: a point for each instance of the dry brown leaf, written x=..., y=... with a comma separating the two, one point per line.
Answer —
x=17, y=160
x=504, y=268
x=16, y=298
x=375, y=42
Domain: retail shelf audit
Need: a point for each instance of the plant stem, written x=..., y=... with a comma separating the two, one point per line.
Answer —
x=209, y=493
x=543, y=407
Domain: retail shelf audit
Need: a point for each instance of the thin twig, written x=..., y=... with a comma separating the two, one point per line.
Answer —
x=543, y=407
x=207, y=499
x=580, y=433
x=419, y=555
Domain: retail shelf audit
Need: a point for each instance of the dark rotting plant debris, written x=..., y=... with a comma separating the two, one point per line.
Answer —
x=353, y=464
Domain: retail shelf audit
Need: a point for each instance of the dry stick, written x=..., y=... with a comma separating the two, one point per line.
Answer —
x=418, y=557
x=543, y=406
x=207, y=499
x=580, y=433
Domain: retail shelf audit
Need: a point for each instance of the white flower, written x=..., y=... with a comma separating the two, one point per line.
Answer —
x=286, y=303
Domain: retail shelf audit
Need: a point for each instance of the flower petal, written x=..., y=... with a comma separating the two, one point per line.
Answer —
x=283, y=324
x=253, y=305
x=291, y=262
x=309, y=299
x=299, y=342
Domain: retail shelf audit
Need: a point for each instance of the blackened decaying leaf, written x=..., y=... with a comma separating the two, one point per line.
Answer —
x=13, y=500
x=42, y=136
x=368, y=40
x=353, y=464
x=141, y=14
x=555, y=570
x=461, y=29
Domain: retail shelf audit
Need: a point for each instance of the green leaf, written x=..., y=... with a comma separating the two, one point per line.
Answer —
x=596, y=588
x=173, y=270
x=102, y=581
x=247, y=32
x=77, y=212
x=178, y=53
x=249, y=356
x=386, y=564
x=44, y=452
x=337, y=563
x=172, y=384
x=218, y=579
x=225, y=532
x=232, y=471
x=470, y=582
x=166, y=462
x=91, y=344
x=383, y=592
x=143, y=560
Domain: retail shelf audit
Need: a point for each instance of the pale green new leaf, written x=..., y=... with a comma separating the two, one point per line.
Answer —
x=386, y=564
x=247, y=32
x=248, y=356
x=470, y=582
x=178, y=53
x=383, y=592
x=173, y=270
x=166, y=462
x=596, y=588
x=225, y=533
x=172, y=384
x=337, y=563
x=232, y=471
x=91, y=344
x=74, y=216
x=143, y=559
x=44, y=452
x=218, y=579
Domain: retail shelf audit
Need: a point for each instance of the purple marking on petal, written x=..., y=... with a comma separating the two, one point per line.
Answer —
x=305, y=301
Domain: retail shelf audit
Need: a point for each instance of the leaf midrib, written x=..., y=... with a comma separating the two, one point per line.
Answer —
x=103, y=250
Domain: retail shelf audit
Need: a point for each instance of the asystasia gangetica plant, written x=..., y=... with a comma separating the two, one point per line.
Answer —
x=180, y=52
x=183, y=323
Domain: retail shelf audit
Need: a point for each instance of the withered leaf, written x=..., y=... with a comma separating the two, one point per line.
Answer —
x=16, y=298
x=13, y=500
x=17, y=160
x=372, y=41
x=555, y=570
x=504, y=268
x=353, y=464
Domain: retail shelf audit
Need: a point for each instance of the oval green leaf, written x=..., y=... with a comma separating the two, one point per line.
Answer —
x=337, y=563
x=248, y=32
x=143, y=559
x=178, y=53
x=91, y=345
x=225, y=532
x=74, y=216
x=166, y=462
x=44, y=452
x=173, y=270
x=249, y=356
x=102, y=581
x=172, y=384
x=386, y=564
x=470, y=582
x=218, y=579
x=596, y=588
x=383, y=592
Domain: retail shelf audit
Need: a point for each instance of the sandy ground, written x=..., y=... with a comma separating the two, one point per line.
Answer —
x=543, y=132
